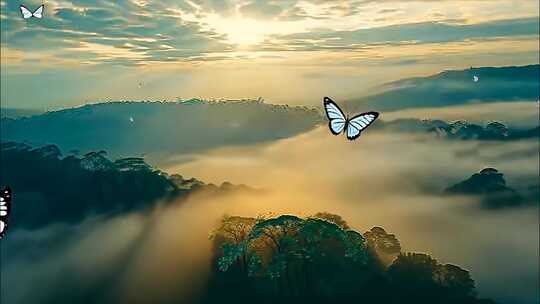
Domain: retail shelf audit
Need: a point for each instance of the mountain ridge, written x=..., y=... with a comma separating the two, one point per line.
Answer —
x=453, y=87
x=133, y=128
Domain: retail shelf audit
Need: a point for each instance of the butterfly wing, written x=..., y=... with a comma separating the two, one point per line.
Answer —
x=5, y=207
x=39, y=12
x=26, y=13
x=336, y=118
x=359, y=123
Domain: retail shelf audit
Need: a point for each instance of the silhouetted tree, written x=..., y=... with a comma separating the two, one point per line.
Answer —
x=231, y=233
x=385, y=246
x=333, y=218
x=314, y=260
x=421, y=279
x=457, y=282
x=54, y=189
x=291, y=256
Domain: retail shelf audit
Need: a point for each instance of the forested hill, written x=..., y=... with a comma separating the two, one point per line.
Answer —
x=52, y=188
x=133, y=128
x=456, y=87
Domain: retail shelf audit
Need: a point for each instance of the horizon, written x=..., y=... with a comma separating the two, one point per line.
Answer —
x=261, y=151
x=289, y=52
x=238, y=99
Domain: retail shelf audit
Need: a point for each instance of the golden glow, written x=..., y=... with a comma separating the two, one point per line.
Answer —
x=245, y=31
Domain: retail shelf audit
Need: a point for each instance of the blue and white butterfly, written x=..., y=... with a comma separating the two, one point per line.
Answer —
x=26, y=13
x=353, y=126
x=5, y=208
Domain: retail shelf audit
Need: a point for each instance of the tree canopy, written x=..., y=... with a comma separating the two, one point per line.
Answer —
x=319, y=259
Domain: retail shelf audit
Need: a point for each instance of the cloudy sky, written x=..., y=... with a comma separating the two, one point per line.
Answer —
x=287, y=51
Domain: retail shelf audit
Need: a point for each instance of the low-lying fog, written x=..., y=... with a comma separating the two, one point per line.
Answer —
x=381, y=179
x=517, y=114
x=384, y=179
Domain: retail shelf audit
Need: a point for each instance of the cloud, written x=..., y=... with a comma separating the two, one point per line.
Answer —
x=388, y=10
x=225, y=7
x=76, y=25
x=261, y=9
x=415, y=33
x=188, y=27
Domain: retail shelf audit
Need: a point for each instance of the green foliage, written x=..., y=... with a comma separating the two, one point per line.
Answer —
x=277, y=265
x=355, y=247
x=161, y=127
x=458, y=281
x=292, y=239
x=420, y=276
x=231, y=252
x=384, y=246
x=333, y=218
x=288, y=259
x=254, y=265
x=54, y=189
x=413, y=268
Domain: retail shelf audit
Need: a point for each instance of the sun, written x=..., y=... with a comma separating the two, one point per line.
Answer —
x=240, y=31
x=246, y=32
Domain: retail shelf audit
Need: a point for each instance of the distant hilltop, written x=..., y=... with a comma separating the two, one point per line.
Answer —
x=513, y=83
x=15, y=113
x=128, y=127
x=490, y=187
x=219, y=100
x=461, y=129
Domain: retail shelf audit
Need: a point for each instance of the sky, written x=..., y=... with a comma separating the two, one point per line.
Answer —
x=286, y=51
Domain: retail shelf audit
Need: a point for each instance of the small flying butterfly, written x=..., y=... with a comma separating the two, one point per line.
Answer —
x=26, y=13
x=5, y=207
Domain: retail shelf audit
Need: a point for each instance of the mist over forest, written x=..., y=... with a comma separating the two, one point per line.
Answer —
x=246, y=201
x=247, y=151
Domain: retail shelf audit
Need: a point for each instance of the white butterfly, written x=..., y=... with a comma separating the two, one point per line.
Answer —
x=353, y=126
x=26, y=13
x=5, y=206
